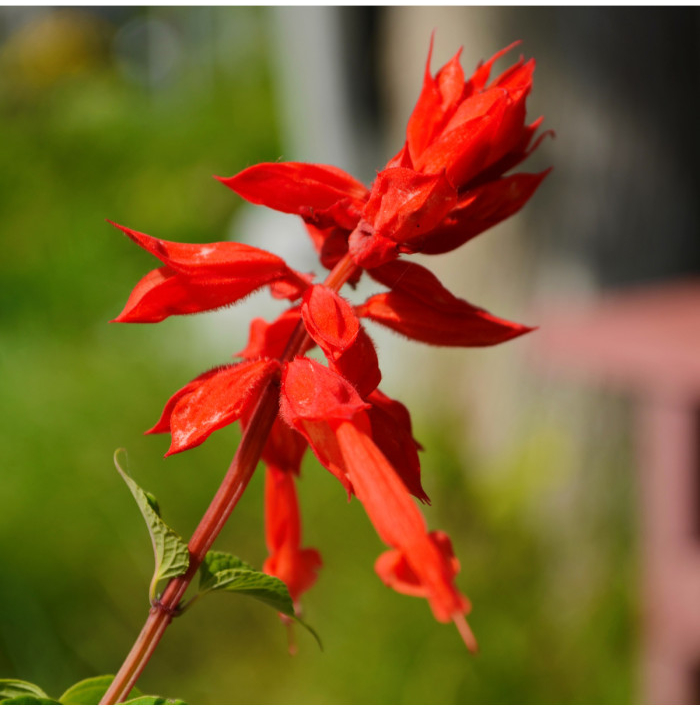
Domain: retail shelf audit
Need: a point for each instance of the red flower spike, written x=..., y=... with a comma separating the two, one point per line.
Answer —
x=421, y=308
x=320, y=194
x=218, y=401
x=296, y=567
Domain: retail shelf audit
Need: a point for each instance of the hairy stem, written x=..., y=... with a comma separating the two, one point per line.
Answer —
x=227, y=496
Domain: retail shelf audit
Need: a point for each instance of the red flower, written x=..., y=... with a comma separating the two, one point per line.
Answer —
x=445, y=186
x=297, y=567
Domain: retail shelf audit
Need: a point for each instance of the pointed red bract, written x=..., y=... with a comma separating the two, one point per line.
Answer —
x=321, y=194
x=479, y=210
x=217, y=401
x=391, y=431
x=201, y=277
x=420, y=307
x=333, y=325
x=163, y=424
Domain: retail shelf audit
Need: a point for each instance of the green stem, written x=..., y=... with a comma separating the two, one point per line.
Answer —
x=227, y=496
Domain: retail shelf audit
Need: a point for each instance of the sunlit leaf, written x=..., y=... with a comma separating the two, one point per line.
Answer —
x=91, y=690
x=10, y=688
x=225, y=572
x=171, y=555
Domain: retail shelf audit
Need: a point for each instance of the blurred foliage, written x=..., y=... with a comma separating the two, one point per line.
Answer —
x=546, y=561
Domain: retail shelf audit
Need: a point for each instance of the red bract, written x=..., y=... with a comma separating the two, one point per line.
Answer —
x=446, y=185
x=461, y=138
x=200, y=277
x=420, y=307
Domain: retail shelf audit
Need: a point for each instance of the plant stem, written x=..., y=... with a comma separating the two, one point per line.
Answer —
x=227, y=496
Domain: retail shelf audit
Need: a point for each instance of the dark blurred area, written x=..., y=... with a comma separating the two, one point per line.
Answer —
x=125, y=113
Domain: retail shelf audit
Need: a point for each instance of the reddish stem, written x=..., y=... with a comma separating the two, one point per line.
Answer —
x=230, y=491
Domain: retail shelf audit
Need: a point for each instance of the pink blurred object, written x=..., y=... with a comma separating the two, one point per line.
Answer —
x=647, y=341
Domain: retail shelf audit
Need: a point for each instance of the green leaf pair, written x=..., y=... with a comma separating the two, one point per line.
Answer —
x=218, y=572
x=87, y=691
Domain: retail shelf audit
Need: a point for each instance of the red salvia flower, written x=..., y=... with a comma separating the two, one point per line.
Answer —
x=446, y=185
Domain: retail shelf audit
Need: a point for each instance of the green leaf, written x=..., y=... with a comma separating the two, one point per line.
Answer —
x=90, y=691
x=171, y=555
x=10, y=688
x=29, y=699
x=154, y=700
x=225, y=572
x=216, y=562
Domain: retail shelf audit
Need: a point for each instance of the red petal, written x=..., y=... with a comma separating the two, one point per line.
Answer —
x=299, y=188
x=312, y=392
x=394, y=439
x=405, y=203
x=360, y=365
x=333, y=325
x=393, y=568
x=330, y=320
x=217, y=401
x=270, y=339
x=463, y=152
x=164, y=292
x=401, y=159
x=284, y=448
x=221, y=260
x=421, y=308
x=427, y=114
x=478, y=210
x=483, y=71
x=397, y=519
x=298, y=568
x=163, y=424
x=450, y=80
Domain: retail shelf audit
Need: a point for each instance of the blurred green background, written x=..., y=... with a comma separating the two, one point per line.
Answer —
x=89, y=133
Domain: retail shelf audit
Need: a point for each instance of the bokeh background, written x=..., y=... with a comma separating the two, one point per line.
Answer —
x=126, y=113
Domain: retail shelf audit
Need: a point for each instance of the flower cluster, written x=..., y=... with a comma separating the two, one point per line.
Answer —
x=446, y=185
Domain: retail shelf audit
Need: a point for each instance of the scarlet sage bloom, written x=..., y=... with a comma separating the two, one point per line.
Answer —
x=446, y=185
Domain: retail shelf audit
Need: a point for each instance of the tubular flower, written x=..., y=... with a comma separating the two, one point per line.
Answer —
x=445, y=186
